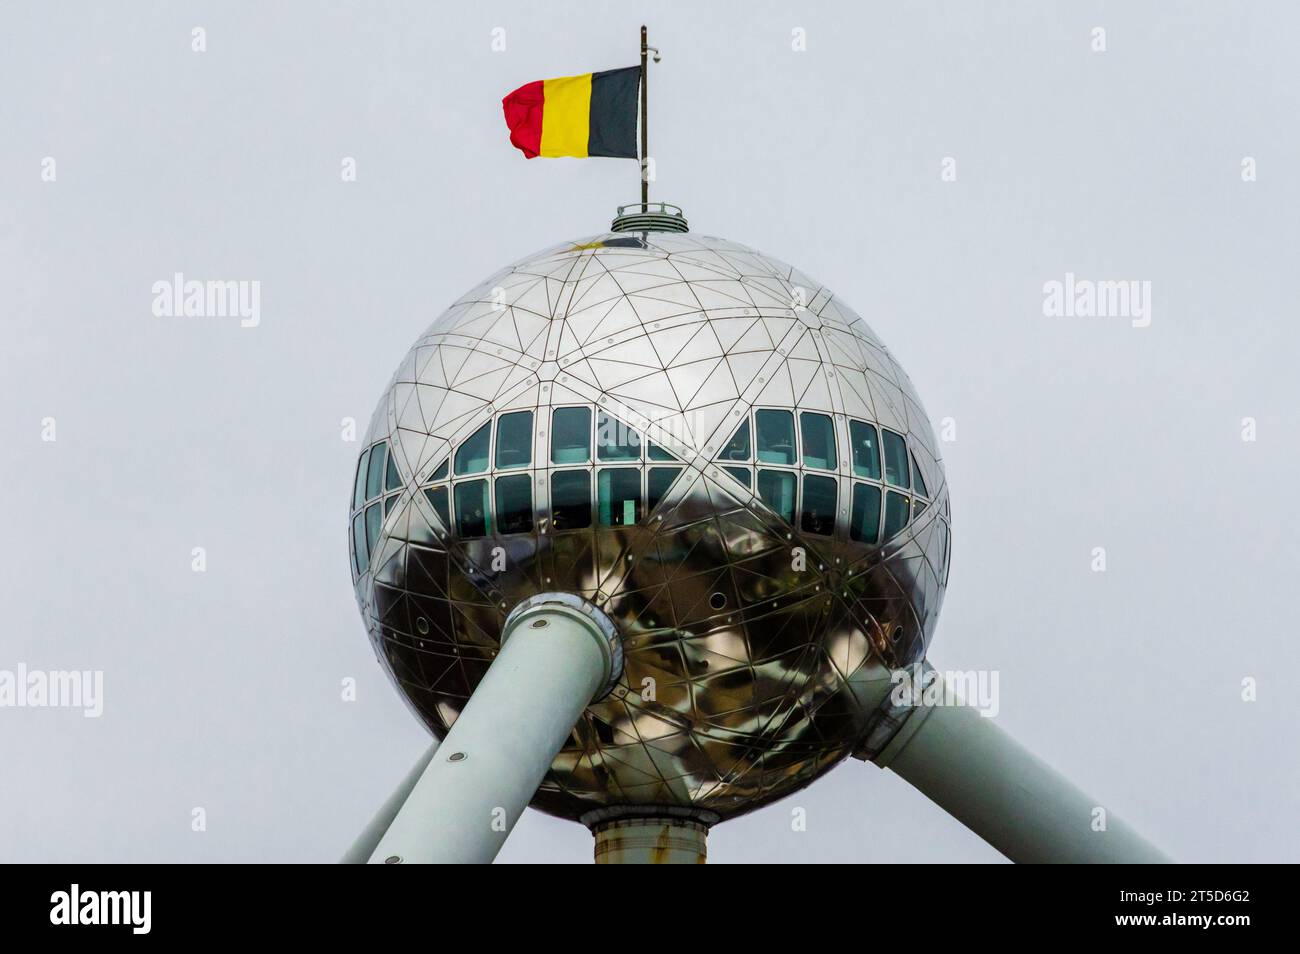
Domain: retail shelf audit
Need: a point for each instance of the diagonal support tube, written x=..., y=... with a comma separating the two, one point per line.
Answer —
x=364, y=846
x=558, y=654
x=1002, y=792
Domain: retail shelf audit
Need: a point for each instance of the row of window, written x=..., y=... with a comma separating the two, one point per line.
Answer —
x=377, y=480
x=775, y=447
x=775, y=432
x=571, y=442
x=494, y=501
x=504, y=504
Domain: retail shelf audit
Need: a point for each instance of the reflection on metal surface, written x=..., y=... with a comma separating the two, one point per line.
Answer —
x=752, y=562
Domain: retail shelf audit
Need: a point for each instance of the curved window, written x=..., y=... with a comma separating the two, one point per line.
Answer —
x=514, y=440
x=359, y=489
x=515, y=504
x=374, y=520
x=864, y=524
x=655, y=452
x=775, y=436
x=776, y=488
x=615, y=440
x=570, y=499
x=866, y=450
x=896, y=512
x=738, y=447
x=571, y=435
x=618, y=496
x=472, y=455
x=818, y=504
x=375, y=476
x=918, y=483
x=895, y=459
x=360, y=555
x=740, y=473
x=472, y=509
x=918, y=480
x=441, y=472
x=818, y=435
x=657, y=482
x=438, y=498
x=392, y=481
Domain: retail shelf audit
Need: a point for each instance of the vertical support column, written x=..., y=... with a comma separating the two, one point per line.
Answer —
x=650, y=834
x=558, y=654
x=651, y=841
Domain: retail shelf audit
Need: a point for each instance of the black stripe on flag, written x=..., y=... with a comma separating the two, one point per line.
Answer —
x=613, y=113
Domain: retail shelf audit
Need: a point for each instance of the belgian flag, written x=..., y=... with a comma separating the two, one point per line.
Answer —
x=589, y=115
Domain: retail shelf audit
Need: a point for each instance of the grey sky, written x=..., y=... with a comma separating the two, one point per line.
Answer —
x=222, y=689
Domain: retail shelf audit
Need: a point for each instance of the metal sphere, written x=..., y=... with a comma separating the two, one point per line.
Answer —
x=698, y=440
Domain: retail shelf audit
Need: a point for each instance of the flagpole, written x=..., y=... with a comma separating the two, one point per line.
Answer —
x=645, y=182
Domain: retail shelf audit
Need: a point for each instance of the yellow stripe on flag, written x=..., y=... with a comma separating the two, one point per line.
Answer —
x=566, y=116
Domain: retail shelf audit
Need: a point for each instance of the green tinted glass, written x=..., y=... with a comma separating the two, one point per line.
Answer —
x=818, y=505
x=866, y=450
x=818, y=435
x=775, y=436
x=472, y=455
x=438, y=498
x=360, y=554
x=571, y=435
x=615, y=440
x=896, y=508
x=738, y=447
x=359, y=489
x=570, y=499
x=918, y=479
x=374, y=520
x=618, y=496
x=776, y=488
x=375, y=476
x=657, y=482
x=864, y=524
x=515, y=504
x=515, y=439
x=473, y=510
x=740, y=473
x=895, y=459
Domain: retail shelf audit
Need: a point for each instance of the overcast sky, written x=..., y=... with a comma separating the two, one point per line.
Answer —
x=222, y=688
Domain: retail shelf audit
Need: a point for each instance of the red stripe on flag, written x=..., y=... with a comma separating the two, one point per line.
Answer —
x=523, y=109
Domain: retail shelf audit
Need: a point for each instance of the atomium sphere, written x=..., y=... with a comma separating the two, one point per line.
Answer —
x=700, y=441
